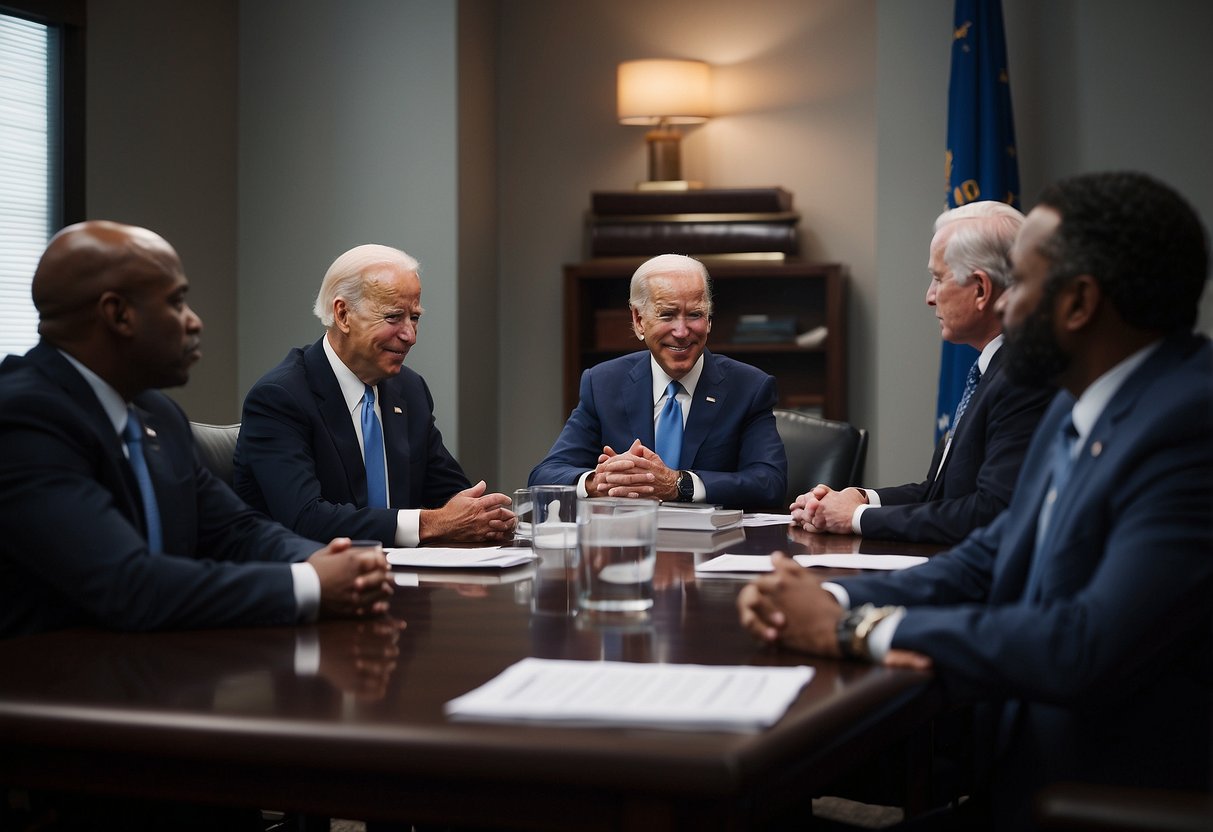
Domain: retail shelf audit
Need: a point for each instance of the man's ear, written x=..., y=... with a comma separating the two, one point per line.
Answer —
x=637, y=323
x=116, y=313
x=986, y=291
x=341, y=315
x=1078, y=303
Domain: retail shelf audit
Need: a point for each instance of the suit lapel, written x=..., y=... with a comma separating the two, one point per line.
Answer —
x=965, y=427
x=638, y=403
x=336, y=418
x=710, y=395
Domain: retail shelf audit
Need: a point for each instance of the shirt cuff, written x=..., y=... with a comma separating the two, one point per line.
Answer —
x=307, y=591
x=840, y=595
x=408, y=527
x=581, y=492
x=859, y=509
x=873, y=497
x=701, y=492
x=880, y=640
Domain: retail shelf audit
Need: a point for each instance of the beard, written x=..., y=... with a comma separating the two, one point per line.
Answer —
x=1033, y=356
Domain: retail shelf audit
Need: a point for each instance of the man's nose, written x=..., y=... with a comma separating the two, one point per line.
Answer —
x=931, y=293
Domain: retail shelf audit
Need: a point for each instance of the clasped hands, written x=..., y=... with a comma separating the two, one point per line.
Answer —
x=354, y=582
x=637, y=472
x=826, y=510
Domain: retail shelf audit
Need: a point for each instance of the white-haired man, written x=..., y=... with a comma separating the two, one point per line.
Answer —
x=974, y=467
x=341, y=434
x=674, y=421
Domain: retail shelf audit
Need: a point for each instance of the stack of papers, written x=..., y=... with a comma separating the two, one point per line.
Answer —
x=677, y=696
x=762, y=563
x=483, y=557
x=696, y=517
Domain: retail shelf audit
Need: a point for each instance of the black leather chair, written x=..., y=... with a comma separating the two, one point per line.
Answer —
x=820, y=451
x=216, y=447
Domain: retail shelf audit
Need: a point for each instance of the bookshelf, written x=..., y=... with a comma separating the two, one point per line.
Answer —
x=597, y=324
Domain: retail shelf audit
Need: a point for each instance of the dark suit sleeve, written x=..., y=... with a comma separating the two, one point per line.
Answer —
x=979, y=474
x=577, y=448
x=757, y=478
x=278, y=430
x=73, y=551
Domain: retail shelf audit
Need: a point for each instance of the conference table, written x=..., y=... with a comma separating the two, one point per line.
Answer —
x=346, y=719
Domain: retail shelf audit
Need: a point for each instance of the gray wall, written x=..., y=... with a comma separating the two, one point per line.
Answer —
x=264, y=137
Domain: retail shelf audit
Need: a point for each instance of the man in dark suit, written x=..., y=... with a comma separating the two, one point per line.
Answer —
x=1082, y=616
x=138, y=535
x=721, y=443
x=311, y=424
x=975, y=464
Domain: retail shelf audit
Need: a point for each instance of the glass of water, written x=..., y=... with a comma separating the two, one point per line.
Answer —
x=617, y=551
x=554, y=541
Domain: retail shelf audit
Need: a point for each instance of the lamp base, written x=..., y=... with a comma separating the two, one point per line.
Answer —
x=668, y=185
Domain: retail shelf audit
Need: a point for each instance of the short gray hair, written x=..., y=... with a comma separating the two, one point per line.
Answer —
x=349, y=273
x=639, y=298
x=983, y=244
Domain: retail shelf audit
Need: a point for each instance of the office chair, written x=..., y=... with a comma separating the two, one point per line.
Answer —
x=820, y=451
x=216, y=446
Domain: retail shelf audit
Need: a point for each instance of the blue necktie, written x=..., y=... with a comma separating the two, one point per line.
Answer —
x=1061, y=464
x=669, y=428
x=372, y=452
x=133, y=434
x=971, y=380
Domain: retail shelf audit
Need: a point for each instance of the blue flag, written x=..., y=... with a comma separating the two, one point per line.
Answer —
x=980, y=162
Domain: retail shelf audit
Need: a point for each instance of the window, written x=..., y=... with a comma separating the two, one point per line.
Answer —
x=40, y=98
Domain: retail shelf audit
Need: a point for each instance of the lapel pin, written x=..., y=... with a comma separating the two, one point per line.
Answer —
x=1096, y=448
x=150, y=432
x=712, y=399
x=396, y=409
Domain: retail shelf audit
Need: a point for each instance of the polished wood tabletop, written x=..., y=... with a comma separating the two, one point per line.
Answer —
x=346, y=718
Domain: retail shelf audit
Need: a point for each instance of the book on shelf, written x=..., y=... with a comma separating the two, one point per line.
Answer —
x=699, y=201
x=616, y=239
x=764, y=329
x=696, y=516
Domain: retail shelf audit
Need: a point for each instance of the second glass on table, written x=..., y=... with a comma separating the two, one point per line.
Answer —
x=554, y=541
x=617, y=553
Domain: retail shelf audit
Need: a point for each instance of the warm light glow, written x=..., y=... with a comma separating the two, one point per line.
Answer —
x=655, y=91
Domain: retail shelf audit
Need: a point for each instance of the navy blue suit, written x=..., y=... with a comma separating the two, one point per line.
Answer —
x=1107, y=677
x=979, y=473
x=298, y=458
x=730, y=440
x=72, y=544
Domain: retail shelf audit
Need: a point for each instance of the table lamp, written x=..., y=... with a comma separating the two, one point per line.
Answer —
x=663, y=93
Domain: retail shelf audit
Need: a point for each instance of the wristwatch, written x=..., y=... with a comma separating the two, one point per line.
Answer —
x=686, y=487
x=855, y=627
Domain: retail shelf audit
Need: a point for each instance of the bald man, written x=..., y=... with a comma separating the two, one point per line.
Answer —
x=106, y=516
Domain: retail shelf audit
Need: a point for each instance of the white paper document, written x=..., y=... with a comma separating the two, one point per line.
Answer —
x=762, y=563
x=483, y=557
x=677, y=696
x=762, y=519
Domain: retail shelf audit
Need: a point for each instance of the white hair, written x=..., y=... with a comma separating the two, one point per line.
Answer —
x=639, y=297
x=982, y=240
x=349, y=273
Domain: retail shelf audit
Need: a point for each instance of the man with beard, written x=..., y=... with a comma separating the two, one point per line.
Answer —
x=976, y=463
x=1080, y=619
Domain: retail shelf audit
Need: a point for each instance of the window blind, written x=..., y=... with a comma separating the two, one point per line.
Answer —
x=29, y=136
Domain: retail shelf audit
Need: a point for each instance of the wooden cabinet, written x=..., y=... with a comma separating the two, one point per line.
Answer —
x=597, y=324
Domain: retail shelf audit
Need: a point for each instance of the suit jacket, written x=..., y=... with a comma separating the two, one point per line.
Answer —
x=72, y=543
x=978, y=474
x=730, y=440
x=298, y=460
x=1107, y=677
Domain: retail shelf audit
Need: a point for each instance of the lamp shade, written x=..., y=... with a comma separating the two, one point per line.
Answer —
x=657, y=91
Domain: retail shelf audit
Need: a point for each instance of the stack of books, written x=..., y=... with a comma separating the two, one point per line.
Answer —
x=750, y=222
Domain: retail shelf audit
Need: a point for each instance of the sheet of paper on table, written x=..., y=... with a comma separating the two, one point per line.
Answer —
x=764, y=519
x=482, y=557
x=677, y=696
x=762, y=563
